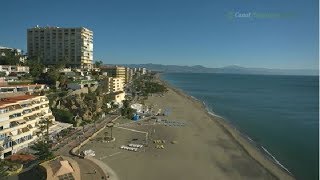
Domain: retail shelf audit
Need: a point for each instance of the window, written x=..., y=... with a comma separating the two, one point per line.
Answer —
x=2, y=136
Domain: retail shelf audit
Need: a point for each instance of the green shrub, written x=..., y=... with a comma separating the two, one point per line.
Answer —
x=63, y=115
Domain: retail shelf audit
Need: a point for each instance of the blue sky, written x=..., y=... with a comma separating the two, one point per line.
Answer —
x=277, y=33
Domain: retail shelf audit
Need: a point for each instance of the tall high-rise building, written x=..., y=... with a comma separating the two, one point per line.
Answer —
x=129, y=74
x=55, y=45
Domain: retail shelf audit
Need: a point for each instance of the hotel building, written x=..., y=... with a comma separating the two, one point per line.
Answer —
x=113, y=85
x=19, y=121
x=142, y=71
x=115, y=71
x=129, y=75
x=54, y=45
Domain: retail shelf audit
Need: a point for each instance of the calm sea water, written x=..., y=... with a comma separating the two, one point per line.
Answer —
x=280, y=113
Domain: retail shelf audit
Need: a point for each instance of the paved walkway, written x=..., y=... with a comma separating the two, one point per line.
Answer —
x=75, y=166
x=89, y=169
x=107, y=170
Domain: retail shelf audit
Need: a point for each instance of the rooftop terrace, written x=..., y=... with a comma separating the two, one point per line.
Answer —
x=10, y=100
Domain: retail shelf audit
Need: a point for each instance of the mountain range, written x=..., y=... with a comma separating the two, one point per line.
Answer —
x=227, y=69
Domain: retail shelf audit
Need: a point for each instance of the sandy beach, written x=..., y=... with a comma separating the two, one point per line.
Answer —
x=205, y=146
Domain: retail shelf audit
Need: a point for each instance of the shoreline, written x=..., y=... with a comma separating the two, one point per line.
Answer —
x=259, y=146
x=263, y=156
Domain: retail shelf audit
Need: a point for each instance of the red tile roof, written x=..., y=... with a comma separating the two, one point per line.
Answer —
x=19, y=85
x=10, y=100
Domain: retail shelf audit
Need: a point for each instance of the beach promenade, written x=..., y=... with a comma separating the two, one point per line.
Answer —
x=89, y=167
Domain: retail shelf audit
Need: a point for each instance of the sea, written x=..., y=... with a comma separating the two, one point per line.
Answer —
x=279, y=114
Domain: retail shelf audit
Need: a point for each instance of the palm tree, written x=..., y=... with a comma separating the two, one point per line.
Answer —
x=44, y=125
x=43, y=150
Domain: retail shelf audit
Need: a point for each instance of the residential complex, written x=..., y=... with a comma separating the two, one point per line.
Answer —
x=113, y=85
x=115, y=71
x=142, y=70
x=54, y=45
x=14, y=69
x=119, y=97
x=23, y=88
x=129, y=74
x=139, y=71
x=7, y=51
x=79, y=84
x=19, y=121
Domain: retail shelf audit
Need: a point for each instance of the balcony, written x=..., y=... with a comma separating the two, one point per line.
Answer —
x=27, y=111
x=51, y=117
x=14, y=125
x=15, y=115
x=22, y=133
x=43, y=113
x=3, y=111
x=30, y=118
x=17, y=123
x=25, y=105
x=14, y=107
x=25, y=129
x=44, y=105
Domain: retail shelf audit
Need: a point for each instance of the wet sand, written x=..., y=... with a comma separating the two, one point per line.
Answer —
x=206, y=148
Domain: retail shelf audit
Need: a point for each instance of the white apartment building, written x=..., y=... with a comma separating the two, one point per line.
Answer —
x=54, y=45
x=21, y=88
x=142, y=70
x=16, y=69
x=19, y=120
x=129, y=75
x=113, y=84
x=119, y=97
x=7, y=51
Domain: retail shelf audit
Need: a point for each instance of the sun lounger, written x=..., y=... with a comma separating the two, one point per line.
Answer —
x=129, y=148
x=135, y=145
